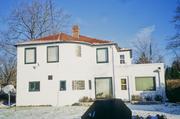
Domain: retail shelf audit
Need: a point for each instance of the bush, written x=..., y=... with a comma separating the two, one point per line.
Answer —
x=173, y=90
x=150, y=117
x=4, y=97
x=136, y=98
x=148, y=98
x=158, y=98
x=86, y=99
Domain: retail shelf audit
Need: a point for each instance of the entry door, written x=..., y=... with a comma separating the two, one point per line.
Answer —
x=103, y=88
x=124, y=88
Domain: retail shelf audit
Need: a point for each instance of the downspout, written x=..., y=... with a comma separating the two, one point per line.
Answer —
x=129, y=94
x=114, y=96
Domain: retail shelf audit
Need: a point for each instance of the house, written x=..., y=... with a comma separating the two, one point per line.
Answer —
x=60, y=69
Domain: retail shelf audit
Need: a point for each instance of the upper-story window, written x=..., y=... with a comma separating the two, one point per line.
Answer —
x=78, y=51
x=52, y=54
x=30, y=55
x=102, y=55
x=122, y=59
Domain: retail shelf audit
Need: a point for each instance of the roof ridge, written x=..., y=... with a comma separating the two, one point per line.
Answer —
x=66, y=37
x=95, y=38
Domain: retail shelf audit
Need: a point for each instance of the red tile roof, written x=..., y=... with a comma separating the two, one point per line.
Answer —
x=65, y=37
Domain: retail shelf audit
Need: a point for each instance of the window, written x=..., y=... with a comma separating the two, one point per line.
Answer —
x=78, y=51
x=123, y=84
x=50, y=77
x=34, y=86
x=130, y=53
x=52, y=54
x=30, y=55
x=90, y=85
x=122, y=59
x=145, y=83
x=103, y=87
x=62, y=85
x=78, y=85
x=102, y=55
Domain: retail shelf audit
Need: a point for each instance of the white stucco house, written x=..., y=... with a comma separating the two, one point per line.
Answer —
x=60, y=69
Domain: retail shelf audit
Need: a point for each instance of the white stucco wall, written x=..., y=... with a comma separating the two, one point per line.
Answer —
x=139, y=70
x=70, y=67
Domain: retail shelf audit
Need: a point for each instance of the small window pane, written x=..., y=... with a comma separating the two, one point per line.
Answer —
x=121, y=56
x=30, y=55
x=122, y=59
x=50, y=77
x=34, y=86
x=102, y=55
x=53, y=54
x=90, y=85
x=123, y=87
x=78, y=51
x=145, y=83
x=123, y=84
x=123, y=81
x=78, y=84
x=62, y=85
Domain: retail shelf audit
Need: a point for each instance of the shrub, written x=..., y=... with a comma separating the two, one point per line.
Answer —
x=76, y=104
x=173, y=90
x=158, y=98
x=86, y=99
x=136, y=98
x=148, y=98
x=161, y=116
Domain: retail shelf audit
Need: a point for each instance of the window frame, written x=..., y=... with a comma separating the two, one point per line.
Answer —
x=154, y=82
x=76, y=88
x=125, y=84
x=110, y=85
x=107, y=56
x=60, y=85
x=30, y=90
x=90, y=84
x=50, y=77
x=122, y=60
x=57, y=53
x=35, y=55
x=78, y=51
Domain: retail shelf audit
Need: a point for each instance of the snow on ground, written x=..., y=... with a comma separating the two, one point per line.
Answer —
x=75, y=112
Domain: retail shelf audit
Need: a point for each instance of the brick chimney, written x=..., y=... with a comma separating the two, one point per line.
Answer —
x=75, y=31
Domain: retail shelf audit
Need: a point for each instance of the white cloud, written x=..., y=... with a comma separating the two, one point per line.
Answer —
x=146, y=33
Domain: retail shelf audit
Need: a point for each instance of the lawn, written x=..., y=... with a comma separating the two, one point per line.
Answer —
x=172, y=111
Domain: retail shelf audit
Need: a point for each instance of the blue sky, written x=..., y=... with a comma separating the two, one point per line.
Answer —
x=117, y=20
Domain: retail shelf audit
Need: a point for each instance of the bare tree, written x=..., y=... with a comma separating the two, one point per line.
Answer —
x=146, y=51
x=174, y=42
x=33, y=20
x=8, y=71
